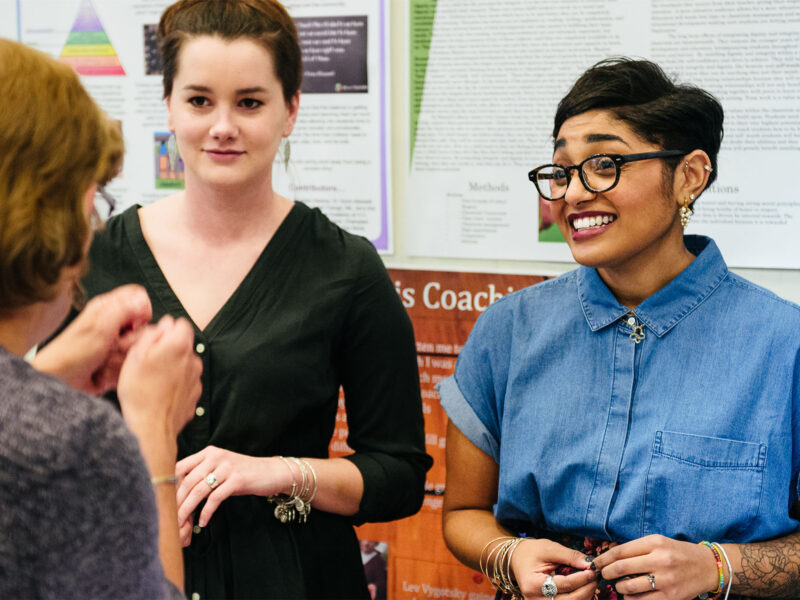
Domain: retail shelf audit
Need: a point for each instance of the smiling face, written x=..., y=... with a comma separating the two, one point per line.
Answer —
x=228, y=112
x=633, y=225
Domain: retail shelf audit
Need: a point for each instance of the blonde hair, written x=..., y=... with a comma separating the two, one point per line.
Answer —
x=55, y=143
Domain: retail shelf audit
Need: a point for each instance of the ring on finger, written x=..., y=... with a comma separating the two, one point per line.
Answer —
x=211, y=480
x=549, y=588
x=652, y=579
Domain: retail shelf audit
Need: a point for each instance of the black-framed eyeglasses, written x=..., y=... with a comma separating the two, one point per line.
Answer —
x=104, y=204
x=598, y=173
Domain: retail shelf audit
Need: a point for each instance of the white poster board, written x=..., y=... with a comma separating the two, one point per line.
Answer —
x=339, y=152
x=486, y=77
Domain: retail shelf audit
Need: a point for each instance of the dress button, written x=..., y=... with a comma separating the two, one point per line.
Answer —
x=197, y=529
x=195, y=596
x=199, y=411
x=200, y=348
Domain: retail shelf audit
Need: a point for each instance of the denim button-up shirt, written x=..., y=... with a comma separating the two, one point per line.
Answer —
x=692, y=432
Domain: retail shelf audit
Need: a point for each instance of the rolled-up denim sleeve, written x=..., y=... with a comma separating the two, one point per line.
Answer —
x=473, y=396
x=463, y=416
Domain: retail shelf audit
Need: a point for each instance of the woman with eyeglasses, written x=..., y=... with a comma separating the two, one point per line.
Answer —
x=88, y=504
x=287, y=308
x=630, y=427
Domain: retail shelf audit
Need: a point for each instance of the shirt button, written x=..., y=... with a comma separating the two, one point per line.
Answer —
x=195, y=596
x=199, y=411
x=200, y=348
x=197, y=529
x=631, y=321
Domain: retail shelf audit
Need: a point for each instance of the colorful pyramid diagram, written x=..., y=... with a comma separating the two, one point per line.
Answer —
x=88, y=49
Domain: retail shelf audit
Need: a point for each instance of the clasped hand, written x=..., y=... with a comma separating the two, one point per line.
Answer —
x=535, y=559
x=678, y=570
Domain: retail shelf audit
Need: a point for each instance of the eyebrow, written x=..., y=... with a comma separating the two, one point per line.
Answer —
x=592, y=138
x=240, y=92
x=604, y=137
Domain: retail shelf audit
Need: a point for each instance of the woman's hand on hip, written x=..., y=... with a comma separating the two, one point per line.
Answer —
x=657, y=568
x=215, y=474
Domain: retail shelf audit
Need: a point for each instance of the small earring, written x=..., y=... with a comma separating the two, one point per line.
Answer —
x=686, y=212
x=708, y=168
x=287, y=153
x=172, y=150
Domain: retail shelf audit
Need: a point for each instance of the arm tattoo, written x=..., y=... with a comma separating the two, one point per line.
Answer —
x=770, y=569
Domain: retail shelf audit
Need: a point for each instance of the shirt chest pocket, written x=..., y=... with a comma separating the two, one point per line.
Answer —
x=701, y=487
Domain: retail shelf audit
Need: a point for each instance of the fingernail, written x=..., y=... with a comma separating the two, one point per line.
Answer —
x=201, y=523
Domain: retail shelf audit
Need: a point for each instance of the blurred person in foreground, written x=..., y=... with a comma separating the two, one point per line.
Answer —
x=88, y=503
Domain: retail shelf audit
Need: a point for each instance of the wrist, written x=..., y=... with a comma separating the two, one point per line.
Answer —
x=158, y=446
x=285, y=476
x=713, y=574
x=48, y=362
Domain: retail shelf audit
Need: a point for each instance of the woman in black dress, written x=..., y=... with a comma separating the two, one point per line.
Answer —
x=287, y=307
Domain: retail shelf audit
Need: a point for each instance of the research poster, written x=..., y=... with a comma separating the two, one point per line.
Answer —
x=339, y=154
x=443, y=307
x=485, y=79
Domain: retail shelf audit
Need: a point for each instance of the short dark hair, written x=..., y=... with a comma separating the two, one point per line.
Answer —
x=639, y=93
x=263, y=21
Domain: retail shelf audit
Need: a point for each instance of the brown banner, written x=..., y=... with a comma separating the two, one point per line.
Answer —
x=443, y=307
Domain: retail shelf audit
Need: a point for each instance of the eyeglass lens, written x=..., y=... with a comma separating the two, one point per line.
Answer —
x=598, y=174
x=103, y=203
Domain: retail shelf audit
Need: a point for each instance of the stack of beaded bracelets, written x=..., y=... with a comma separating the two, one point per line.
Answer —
x=719, y=553
x=499, y=558
x=297, y=504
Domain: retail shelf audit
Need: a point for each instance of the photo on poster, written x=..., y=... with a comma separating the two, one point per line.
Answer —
x=168, y=162
x=374, y=557
x=548, y=230
x=88, y=49
x=334, y=54
x=152, y=57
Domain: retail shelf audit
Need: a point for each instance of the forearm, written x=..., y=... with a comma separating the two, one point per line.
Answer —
x=468, y=531
x=766, y=569
x=160, y=453
x=169, y=544
x=340, y=485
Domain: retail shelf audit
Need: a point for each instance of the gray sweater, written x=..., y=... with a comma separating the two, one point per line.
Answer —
x=77, y=512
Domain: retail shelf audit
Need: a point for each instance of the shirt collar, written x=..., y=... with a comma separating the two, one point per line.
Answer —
x=664, y=309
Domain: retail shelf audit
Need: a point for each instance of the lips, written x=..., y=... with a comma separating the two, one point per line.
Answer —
x=590, y=224
x=223, y=156
x=220, y=152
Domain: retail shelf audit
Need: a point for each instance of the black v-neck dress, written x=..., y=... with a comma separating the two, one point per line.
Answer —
x=316, y=311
